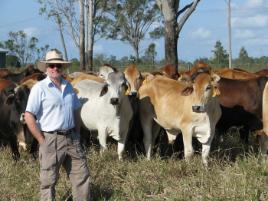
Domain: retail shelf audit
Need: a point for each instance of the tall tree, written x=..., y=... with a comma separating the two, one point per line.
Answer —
x=220, y=57
x=243, y=58
x=174, y=19
x=23, y=47
x=68, y=11
x=50, y=9
x=151, y=53
x=131, y=21
x=82, y=34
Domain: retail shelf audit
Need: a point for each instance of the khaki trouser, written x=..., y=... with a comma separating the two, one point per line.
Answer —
x=63, y=150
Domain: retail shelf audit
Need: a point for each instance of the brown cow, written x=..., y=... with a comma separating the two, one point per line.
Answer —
x=13, y=101
x=17, y=77
x=170, y=71
x=235, y=74
x=4, y=72
x=197, y=68
x=262, y=72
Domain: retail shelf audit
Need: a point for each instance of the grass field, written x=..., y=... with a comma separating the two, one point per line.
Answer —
x=233, y=174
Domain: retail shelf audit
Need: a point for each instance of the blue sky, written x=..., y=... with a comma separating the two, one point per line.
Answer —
x=197, y=39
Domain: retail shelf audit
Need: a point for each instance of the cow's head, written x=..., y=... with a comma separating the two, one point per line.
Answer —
x=17, y=102
x=134, y=80
x=204, y=88
x=105, y=70
x=116, y=85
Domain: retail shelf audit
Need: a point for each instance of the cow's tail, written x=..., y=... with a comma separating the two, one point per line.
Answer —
x=265, y=109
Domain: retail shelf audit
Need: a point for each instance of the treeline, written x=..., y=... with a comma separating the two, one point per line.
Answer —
x=24, y=50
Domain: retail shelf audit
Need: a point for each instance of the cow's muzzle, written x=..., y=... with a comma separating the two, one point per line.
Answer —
x=133, y=94
x=114, y=101
x=198, y=108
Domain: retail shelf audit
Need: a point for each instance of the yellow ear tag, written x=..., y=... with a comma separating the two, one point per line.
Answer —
x=216, y=92
x=127, y=92
x=144, y=81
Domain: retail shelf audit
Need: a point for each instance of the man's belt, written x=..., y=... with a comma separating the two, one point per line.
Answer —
x=61, y=132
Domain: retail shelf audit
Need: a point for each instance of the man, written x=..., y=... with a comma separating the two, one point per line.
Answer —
x=53, y=117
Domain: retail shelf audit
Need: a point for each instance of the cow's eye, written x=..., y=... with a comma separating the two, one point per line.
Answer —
x=208, y=87
x=125, y=85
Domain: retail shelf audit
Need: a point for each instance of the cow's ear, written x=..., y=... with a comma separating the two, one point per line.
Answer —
x=140, y=76
x=76, y=90
x=185, y=78
x=10, y=99
x=215, y=78
x=187, y=91
x=104, y=90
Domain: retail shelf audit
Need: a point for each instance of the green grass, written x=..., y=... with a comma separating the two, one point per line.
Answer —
x=233, y=174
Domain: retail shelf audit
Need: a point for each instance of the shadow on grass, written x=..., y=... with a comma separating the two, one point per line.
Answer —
x=98, y=193
x=101, y=193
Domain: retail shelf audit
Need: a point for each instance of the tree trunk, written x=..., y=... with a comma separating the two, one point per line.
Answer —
x=61, y=36
x=90, y=35
x=90, y=60
x=174, y=21
x=137, y=53
x=82, y=36
x=171, y=40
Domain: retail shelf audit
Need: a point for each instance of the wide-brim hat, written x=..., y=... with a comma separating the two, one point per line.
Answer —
x=52, y=57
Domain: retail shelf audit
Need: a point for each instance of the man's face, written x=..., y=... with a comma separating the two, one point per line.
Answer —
x=54, y=70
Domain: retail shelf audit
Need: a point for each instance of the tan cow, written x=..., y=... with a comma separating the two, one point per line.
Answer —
x=192, y=109
x=264, y=138
x=85, y=76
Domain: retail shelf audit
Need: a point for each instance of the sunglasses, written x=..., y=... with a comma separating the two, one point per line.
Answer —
x=59, y=66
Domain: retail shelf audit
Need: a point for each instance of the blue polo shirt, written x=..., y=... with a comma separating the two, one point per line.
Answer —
x=53, y=109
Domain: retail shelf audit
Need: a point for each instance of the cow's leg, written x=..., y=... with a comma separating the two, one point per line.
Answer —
x=263, y=144
x=102, y=139
x=244, y=134
x=34, y=148
x=147, y=138
x=206, y=149
x=146, y=113
x=121, y=140
x=120, y=148
x=187, y=142
x=14, y=147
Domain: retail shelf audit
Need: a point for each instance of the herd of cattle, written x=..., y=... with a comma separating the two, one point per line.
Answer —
x=195, y=103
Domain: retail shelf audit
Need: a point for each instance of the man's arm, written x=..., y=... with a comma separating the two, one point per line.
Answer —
x=31, y=123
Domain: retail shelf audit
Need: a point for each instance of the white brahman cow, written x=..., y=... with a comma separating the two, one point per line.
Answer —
x=106, y=109
x=105, y=70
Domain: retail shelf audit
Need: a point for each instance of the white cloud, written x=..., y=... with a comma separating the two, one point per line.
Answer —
x=254, y=3
x=201, y=33
x=257, y=42
x=253, y=21
x=31, y=31
x=244, y=34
